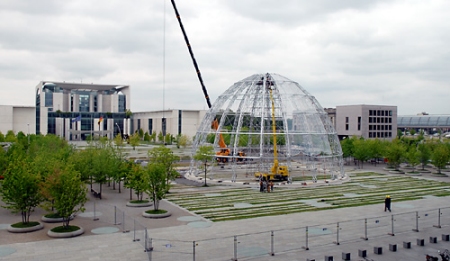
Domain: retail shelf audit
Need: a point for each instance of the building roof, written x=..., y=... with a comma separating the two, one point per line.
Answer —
x=426, y=121
x=86, y=86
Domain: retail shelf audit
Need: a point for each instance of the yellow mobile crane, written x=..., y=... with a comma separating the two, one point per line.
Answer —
x=277, y=172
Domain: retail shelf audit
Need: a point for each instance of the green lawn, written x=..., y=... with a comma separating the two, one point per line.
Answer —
x=363, y=189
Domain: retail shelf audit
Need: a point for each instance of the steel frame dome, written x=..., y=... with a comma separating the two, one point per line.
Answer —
x=260, y=110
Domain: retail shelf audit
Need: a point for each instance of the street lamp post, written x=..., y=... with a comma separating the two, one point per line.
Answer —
x=206, y=160
x=119, y=129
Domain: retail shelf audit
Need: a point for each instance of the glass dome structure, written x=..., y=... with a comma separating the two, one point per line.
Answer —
x=265, y=125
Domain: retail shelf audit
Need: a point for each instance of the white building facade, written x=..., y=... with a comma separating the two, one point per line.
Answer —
x=174, y=122
x=367, y=121
x=17, y=119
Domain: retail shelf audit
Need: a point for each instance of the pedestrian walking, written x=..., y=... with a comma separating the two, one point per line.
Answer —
x=261, y=188
x=387, y=203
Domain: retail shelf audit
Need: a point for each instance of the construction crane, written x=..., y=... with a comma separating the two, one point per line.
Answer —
x=277, y=172
x=224, y=153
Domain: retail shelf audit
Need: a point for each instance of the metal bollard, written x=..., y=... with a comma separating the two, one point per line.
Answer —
x=235, y=248
x=193, y=250
x=337, y=234
x=417, y=222
x=365, y=230
x=439, y=219
x=306, y=240
x=271, y=244
x=392, y=226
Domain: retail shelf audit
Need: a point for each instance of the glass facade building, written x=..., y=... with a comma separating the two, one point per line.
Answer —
x=77, y=111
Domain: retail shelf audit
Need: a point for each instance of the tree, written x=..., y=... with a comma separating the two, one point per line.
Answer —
x=2, y=137
x=413, y=156
x=347, y=146
x=141, y=133
x=137, y=180
x=440, y=156
x=167, y=159
x=135, y=140
x=183, y=141
x=395, y=153
x=205, y=153
x=10, y=136
x=146, y=136
x=153, y=137
x=160, y=137
x=362, y=150
x=424, y=153
x=157, y=187
x=20, y=189
x=118, y=140
x=68, y=191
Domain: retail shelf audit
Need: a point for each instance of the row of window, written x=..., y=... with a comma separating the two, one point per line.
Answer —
x=380, y=134
x=380, y=127
x=380, y=112
x=380, y=120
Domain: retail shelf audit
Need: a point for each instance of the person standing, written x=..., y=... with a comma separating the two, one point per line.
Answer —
x=387, y=203
x=271, y=185
x=261, y=188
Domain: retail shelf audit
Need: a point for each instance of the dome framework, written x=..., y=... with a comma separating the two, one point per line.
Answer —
x=267, y=120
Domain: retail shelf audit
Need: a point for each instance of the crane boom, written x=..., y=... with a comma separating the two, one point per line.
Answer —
x=199, y=75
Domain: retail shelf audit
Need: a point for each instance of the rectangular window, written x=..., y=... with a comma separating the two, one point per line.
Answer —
x=346, y=119
x=346, y=126
x=378, y=120
x=370, y=113
x=138, y=124
x=390, y=113
x=359, y=123
x=150, y=126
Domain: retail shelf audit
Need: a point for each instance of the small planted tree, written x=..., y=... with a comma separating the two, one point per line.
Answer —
x=137, y=180
x=440, y=156
x=20, y=189
x=135, y=140
x=167, y=159
x=395, y=153
x=68, y=192
x=157, y=186
x=204, y=154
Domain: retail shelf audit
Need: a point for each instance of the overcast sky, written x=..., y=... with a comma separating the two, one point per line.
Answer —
x=389, y=52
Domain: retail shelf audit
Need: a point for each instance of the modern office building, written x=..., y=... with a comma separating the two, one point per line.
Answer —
x=174, y=122
x=78, y=110
x=367, y=121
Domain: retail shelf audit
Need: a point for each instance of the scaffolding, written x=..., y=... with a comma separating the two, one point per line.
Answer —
x=258, y=111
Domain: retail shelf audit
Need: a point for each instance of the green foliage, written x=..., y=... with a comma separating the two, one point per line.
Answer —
x=20, y=188
x=135, y=140
x=160, y=137
x=118, y=140
x=10, y=136
x=137, y=180
x=157, y=187
x=141, y=133
x=146, y=136
x=424, y=153
x=413, y=156
x=440, y=156
x=362, y=150
x=395, y=153
x=167, y=159
x=25, y=225
x=2, y=137
x=347, y=146
x=183, y=141
x=153, y=137
x=67, y=190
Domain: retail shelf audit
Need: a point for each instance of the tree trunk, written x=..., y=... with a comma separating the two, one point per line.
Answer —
x=119, y=187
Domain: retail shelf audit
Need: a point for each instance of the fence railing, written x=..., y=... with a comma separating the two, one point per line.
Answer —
x=271, y=242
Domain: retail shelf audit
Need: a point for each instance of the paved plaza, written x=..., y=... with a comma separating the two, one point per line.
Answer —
x=172, y=238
